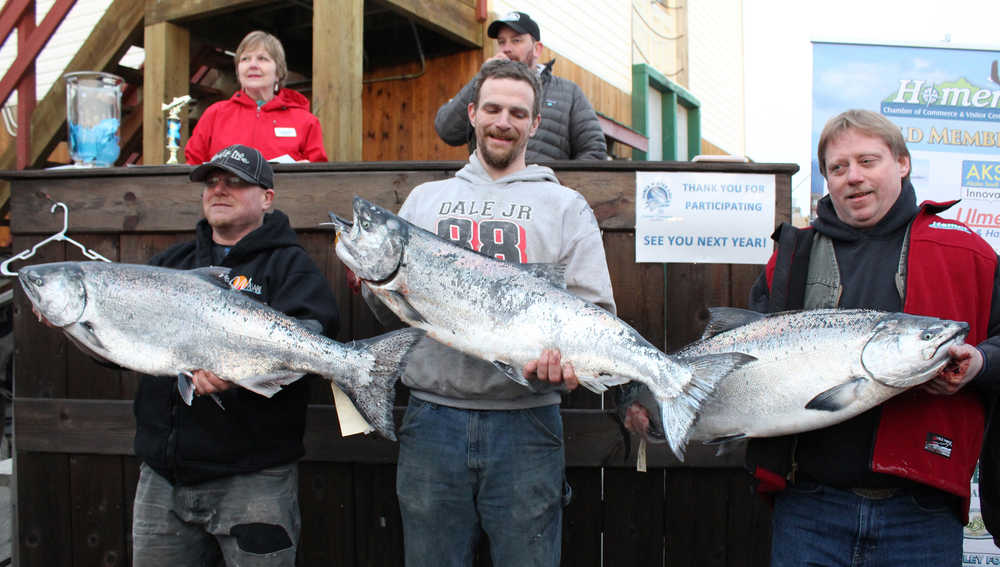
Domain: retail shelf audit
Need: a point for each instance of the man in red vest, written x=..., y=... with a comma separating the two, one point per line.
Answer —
x=890, y=486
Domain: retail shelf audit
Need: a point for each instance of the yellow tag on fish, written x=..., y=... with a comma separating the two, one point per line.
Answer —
x=640, y=455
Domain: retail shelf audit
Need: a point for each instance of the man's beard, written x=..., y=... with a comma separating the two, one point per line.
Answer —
x=499, y=159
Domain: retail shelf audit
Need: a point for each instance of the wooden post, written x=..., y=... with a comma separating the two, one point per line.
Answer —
x=165, y=76
x=25, y=89
x=337, y=75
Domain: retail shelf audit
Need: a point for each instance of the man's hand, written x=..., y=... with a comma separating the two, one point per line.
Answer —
x=353, y=281
x=966, y=362
x=637, y=419
x=206, y=382
x=500, y=56
x=41, y=318
x=548, y=368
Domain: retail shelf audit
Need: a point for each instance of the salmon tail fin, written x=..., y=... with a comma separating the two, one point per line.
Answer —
x=374, y=393
x=678, y=412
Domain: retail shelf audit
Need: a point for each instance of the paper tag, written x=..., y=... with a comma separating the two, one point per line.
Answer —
x=640, y=455
x=350, y=419
x=284, y=132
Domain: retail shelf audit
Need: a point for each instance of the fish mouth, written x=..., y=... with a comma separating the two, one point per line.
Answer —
x=958, y=336
x=339, y=224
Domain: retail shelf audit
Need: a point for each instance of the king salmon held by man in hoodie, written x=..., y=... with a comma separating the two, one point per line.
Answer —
x=506, y=314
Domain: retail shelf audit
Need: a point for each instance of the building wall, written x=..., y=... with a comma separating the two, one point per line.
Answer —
x=67, y=39
x=715, y=61
x=593, y=34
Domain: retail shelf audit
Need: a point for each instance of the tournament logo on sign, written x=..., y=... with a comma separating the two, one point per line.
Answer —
x=657, y=198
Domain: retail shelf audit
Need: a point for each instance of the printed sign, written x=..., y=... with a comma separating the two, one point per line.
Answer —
x=946, y=102
x=689, y=217
x=978, y=548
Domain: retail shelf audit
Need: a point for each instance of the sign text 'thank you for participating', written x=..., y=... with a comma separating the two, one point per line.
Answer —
x=692, y=217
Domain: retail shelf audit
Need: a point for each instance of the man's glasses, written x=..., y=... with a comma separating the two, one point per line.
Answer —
x=230, y=181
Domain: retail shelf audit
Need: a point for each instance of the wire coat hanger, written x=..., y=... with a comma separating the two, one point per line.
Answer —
x=61, y=235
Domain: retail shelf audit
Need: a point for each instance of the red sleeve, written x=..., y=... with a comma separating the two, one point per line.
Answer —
x=769, y=269
x=312, y=146
x=196, y=151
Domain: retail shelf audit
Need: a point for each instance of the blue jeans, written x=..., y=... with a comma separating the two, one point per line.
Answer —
x=815, y=524
x=249, y=520
x=464, y=470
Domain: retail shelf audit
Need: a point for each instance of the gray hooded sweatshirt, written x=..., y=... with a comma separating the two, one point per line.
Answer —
x=536, y=220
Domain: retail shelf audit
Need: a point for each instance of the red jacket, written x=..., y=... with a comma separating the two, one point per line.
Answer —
x=934, y=440
x=281, y=126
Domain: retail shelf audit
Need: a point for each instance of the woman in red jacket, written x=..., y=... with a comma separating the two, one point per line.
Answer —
x=262, y=114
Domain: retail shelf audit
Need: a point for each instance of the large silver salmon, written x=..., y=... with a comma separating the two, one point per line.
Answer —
x=168, y=322
x=505, y=314
x=814, y=368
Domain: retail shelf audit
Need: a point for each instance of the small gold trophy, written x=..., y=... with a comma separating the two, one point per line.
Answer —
x=173, y=110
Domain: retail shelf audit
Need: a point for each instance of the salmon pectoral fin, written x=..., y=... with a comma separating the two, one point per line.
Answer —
x=839, y=396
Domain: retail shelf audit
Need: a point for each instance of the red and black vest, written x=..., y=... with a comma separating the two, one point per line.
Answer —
x=933, y=440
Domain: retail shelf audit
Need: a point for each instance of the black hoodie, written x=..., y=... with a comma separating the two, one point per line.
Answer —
x=868, y=260
x=192, y=444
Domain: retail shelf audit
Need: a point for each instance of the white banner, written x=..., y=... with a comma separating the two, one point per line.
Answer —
x=696, y=217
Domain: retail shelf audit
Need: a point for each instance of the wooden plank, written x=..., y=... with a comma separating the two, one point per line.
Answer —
x=379, y=525
x=106, y=40
x=582, y=519
x=634, y=517
x=326, y=502
x=97, y=510
x=730, y=526
x=172, y=203
x=450, y=17
x=336, y=95
x=748, y=523
x=156, y=203
x=107, y=427
x=86, y=377
x=158, y=11
x=165, y=76
x=424, y=92
x=43, y=510
x=130, y=481
x=40, y=351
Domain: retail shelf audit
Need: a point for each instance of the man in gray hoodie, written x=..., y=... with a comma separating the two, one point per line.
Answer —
x=569, y=128
x=478, y=451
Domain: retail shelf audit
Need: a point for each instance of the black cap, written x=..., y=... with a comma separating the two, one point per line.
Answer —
x=244, y=161
x=517, y=21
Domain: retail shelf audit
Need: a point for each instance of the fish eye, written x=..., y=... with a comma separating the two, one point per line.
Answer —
x=365, y=224
x=929, y=334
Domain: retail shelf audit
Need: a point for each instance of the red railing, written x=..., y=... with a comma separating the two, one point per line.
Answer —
x=20, y=14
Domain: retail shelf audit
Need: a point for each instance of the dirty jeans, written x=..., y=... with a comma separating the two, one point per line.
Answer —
x=462, y=470
x=814, y=524
x=248, y=520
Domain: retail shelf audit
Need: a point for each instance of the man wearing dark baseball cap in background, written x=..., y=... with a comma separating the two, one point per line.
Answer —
x=569, y=127
x=219, y=477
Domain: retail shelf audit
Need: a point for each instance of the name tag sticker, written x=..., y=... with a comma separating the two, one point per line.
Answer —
x=284, y=132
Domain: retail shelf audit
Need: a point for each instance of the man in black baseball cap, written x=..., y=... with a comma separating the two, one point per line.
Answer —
x=197, y=456
x=239, y=190
x=517, y=21
x=569, y=128
x=244, y=161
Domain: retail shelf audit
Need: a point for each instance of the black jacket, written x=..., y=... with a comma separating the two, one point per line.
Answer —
x=192, y=444
x=569, y=128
